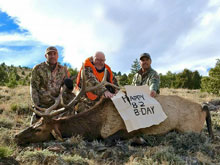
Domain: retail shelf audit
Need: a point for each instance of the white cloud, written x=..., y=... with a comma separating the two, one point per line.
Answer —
x=4, y=50
x=80, y=30
x=21, y=57
x=197, y=49
x=214, y=3
x=20, y=49
x=180, y=34
x=5, y=37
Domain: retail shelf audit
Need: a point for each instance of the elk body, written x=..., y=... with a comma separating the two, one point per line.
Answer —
x=103, y=120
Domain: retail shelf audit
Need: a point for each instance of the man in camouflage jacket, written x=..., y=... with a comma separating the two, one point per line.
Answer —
x=94, y=72
x=147, y=76
x=47, y=79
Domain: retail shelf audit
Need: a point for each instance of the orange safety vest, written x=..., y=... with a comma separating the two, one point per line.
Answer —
x=99, y=77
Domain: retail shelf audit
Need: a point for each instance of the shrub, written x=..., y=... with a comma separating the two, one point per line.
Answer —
x=6, y=123
x=5, y=152
x=167, y=155
x=12, y=84
x=20, y=109
x=6, y=136
x=140, y=160
x=41, y=157
x=14, y=107
x=75, y=159
x=211, y=84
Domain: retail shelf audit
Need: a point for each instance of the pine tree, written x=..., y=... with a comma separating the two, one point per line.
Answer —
x=119, y=73
x=135, y=66
x=196, y=80
x=3, y=75
x=123, y=80
x=211, y=84
x=168, y=80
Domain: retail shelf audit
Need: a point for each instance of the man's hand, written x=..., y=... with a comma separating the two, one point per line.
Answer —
x=153, y=93
x=108, y=94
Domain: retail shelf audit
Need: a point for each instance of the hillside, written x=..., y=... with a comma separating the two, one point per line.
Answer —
x=173, y=148
x=12, y=76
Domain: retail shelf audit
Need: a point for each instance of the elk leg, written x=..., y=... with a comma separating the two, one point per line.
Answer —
x=112, y=140
x=209, y=124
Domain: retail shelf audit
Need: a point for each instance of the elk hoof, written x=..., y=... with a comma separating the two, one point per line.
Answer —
x=138, y=141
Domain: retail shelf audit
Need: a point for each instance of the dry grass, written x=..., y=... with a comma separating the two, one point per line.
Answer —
x=194, y=95
x=172, y=148
x=14, y=96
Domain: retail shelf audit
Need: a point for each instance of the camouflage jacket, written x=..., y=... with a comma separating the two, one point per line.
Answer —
x=150, y=77
x=46, y=82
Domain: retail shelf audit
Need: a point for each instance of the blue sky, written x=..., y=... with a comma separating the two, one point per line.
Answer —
x=10, y=26
x=178, y=34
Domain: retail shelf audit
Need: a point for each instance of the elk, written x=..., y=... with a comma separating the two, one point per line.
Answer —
x=103, y=120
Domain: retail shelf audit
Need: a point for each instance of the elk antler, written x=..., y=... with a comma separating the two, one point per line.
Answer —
x=85, y=89
x=103, y=82
x=49, y=113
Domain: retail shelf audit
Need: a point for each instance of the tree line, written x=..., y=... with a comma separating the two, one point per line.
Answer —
x=186, y=79
x=12, y=76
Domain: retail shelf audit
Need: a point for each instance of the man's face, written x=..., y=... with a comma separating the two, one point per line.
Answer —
x=99, y=60
x=145, y=63
x=52, y=57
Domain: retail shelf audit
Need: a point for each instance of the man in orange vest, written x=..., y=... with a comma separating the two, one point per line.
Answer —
x=94, y=71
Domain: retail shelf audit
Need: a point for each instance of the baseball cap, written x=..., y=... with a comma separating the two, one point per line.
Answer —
x=147, y=55
x=51, y=49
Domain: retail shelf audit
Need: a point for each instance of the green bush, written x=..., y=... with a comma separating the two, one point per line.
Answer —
x=10, y=77
x=14, y=107
x=5, y=152
x=211, y=84
x=6, y=123
x=6, y=136
x=12, y=84
x=75, y=159
x=40, y=157
x=20, y=109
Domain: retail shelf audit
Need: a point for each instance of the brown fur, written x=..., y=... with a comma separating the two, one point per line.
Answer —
x=103, y=120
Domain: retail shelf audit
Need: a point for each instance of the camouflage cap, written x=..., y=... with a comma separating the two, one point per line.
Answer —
x=147, y=55
x=51, y=49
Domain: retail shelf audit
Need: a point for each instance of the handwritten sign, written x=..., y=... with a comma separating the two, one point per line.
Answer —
x=138, y=109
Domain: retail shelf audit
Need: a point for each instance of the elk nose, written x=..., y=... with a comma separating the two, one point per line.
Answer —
x=17, y=139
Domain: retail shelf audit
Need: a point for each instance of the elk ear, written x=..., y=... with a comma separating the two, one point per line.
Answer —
x=56, y=134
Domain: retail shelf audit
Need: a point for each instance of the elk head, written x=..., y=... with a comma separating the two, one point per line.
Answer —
x=48, y=126
x=40, y=131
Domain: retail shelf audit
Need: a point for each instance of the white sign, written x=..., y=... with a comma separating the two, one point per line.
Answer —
x=138, y=109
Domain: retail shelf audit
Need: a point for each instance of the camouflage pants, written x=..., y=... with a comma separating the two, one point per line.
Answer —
x=85, y=104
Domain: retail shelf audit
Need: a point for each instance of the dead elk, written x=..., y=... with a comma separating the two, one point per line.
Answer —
x=103, y=120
